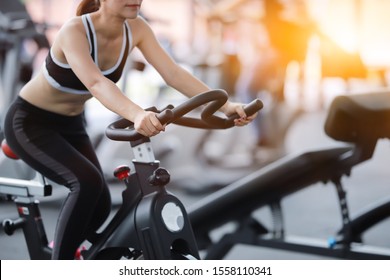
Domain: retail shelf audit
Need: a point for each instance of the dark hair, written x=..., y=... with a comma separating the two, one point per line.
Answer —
x=87, y=6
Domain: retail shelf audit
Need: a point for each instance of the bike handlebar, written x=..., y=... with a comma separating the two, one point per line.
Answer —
x=123, y=129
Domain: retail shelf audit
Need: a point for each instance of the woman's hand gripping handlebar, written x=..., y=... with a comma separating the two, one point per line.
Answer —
x=123, y=129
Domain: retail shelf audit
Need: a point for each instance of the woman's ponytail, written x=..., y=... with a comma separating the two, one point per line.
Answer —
x=87, y=6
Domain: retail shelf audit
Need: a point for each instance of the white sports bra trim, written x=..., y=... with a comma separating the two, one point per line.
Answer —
x=56, y=85
x=87, y=19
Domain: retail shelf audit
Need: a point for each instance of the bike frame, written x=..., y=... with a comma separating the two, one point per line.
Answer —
x=30, y=220
x=134, y=227
x=359, y=121
x=268, y=187
x=151, y=221
x=144, y=222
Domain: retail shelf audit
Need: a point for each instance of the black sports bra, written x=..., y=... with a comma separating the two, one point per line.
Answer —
x=61, y=76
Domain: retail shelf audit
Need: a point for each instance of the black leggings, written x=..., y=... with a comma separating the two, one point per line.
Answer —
x=58, y=147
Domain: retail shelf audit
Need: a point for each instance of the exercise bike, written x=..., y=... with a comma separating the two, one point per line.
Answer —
x=151, y=223
x=358, y=121
x=16, y=63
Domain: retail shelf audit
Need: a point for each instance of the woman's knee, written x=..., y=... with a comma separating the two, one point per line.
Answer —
x=89, y=183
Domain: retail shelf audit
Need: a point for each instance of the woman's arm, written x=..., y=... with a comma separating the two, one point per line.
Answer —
x=78, y=57
x=173, y=74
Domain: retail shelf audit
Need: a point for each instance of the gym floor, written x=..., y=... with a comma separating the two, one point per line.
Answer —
x=312, y=212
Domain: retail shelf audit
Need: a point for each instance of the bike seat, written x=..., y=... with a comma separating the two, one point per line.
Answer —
x=359, y=117
x=7, y=150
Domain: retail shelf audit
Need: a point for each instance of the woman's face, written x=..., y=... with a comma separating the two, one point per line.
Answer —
x=126, y=8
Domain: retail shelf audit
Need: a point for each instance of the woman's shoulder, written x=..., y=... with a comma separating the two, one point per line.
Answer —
x=72, y=29
x=72, y=25
x=140, y=29
x=138, y=22
x=139, y=26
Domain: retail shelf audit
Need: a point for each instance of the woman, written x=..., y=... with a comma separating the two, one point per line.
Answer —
x=45, y=125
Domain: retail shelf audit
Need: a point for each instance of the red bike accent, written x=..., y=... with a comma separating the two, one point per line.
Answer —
x=7, y=150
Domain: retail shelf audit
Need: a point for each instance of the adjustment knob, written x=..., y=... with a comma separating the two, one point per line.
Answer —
x=160, y=177
x=122, y=172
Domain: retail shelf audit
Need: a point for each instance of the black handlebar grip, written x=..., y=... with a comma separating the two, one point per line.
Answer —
x=165, y=116
x=123, y=129
x=223, y=123
x=250, y=109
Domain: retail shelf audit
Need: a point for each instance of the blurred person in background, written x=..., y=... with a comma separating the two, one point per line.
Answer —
x=283, y=37
x=45, y=125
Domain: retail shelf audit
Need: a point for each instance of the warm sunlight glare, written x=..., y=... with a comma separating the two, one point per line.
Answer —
x=357, y=26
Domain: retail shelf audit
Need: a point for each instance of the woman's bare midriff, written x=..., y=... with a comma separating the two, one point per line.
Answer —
x=39, y=93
